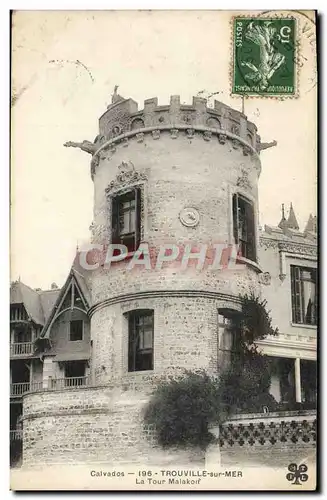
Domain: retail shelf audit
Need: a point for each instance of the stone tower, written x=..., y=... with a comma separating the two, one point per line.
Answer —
x=188, y=164
x=183, y=175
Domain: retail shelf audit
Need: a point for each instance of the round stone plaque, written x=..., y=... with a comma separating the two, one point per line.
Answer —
x=189, y=217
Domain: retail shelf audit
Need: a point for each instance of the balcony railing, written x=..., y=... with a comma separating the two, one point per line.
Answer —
x=21, y=349
x=16, y=435
x=17, y=390
x=67, y=383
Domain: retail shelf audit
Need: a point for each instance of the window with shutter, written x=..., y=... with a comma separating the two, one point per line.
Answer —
x=126, y=219
x=140, y=340
x=304, y=295
x=244, y=226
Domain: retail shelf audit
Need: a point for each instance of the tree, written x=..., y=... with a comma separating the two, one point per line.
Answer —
x=181, y=409
x=245, y=385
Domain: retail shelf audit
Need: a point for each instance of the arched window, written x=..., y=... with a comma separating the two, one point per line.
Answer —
x=140, y=340
x=137, y=123
x=213, y=122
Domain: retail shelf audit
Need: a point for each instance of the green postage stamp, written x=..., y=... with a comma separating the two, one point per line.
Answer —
x=264, y=56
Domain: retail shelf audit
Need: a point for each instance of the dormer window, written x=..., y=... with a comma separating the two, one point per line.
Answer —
x=126, y=219
x=244, y=226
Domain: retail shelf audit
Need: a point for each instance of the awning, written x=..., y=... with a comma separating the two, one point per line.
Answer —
x=74, y=356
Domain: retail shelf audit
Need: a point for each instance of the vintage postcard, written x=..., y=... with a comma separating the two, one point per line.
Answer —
x=163, y=296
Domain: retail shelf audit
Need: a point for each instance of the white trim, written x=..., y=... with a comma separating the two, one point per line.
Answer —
x=303, y=325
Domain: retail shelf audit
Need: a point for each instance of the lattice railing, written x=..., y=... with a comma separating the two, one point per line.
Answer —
x=292, y=431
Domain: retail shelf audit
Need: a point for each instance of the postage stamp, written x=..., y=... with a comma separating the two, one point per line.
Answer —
x=264, y=56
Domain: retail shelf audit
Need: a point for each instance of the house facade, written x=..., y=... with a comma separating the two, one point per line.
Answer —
x=183, y=176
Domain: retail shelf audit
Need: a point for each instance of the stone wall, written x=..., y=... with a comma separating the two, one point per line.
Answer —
x=93, y=425
x=105, y=425
x=273, y=440
x=185, y=335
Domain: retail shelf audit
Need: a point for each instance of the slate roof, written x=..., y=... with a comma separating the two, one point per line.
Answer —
x=40, y=304
x=23, y=294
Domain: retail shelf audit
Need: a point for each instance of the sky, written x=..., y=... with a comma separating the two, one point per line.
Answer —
x=65, y=65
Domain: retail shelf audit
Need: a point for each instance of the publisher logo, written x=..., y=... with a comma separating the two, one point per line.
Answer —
x=297, y=473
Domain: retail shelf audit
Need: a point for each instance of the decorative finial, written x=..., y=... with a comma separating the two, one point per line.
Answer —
x=115, y=96
x=283, y=222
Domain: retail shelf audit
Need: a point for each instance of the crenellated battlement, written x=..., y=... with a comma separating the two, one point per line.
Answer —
x=124, y=116
x=124, y=123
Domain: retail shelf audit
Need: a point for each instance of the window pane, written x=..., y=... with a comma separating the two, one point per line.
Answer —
x=304, y=295
x=243, y=221
x=127, y=221
x=76, y=330
x=140, y=355
x=146, y=339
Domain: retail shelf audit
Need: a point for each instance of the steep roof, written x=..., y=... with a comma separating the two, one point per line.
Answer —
x=48, y=299
x=81, y=284
x=311, y=224
x=291, y=221
x=23, y=294
x=40, y=304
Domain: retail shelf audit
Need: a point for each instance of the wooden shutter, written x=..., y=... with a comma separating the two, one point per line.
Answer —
x=115, y=219
x=137, y=218
x=235, y=218
x=296, y=294
x=131, y=343
x=250, y=237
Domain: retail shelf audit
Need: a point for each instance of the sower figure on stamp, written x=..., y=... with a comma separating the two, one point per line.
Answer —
x=270, y=59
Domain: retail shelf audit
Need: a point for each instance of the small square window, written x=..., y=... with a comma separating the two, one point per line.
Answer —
x=76, y=330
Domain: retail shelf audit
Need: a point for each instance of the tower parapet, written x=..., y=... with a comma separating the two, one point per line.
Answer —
x=123, y=121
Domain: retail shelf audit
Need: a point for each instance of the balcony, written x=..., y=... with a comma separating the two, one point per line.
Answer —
x=21, y=349
x=17, y=390
x=67, y=383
